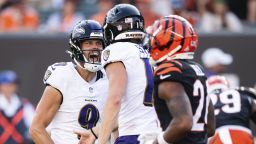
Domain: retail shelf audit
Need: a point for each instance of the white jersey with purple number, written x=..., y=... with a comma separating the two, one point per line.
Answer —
x=137, y=115
x=82, y=102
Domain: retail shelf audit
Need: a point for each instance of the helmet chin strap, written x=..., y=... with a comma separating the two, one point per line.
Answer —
x=89, y=67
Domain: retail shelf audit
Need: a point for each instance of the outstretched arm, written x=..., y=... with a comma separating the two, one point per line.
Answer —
x=45, y=111
x=180, y=108
x=117, y=86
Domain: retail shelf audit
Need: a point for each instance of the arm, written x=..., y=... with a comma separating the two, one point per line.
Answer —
x=45, y=111
x=114, y=135
x=180, y=108
x=117, y=86
x=251, y=11
x=210, y=120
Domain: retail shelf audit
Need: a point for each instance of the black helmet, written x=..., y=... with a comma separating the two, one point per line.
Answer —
x=85, y=30
x=123, y=22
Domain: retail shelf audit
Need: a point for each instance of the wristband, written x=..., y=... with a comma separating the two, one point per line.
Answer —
x=94, y=134
x=160, y=139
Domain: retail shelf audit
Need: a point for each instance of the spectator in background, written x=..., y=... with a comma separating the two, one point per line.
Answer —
x=104, y=6
x=183, y=8
x=18, y=17
x=162, y=7
x=219, y=19
x=244, y=9
x=216, y=61
x=65, y=20
x=3, y=4
x=16, y=113
x=251, y=15
x=149, y=15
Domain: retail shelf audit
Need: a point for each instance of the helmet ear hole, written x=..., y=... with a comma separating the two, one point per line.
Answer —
x=108, y=36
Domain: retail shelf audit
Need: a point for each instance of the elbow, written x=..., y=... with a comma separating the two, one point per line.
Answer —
x=185, y=124
x=34, y=131
x=116, y=101
x=211, y=133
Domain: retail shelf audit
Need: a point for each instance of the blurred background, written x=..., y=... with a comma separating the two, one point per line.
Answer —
x=34, y=34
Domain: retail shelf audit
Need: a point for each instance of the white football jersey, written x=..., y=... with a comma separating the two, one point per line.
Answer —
x=137, y=114
x=82, y=102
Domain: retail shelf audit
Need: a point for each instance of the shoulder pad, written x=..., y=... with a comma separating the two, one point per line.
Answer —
x=116, y=52
x=168, y=67
x=55, y=70
x=248, y=90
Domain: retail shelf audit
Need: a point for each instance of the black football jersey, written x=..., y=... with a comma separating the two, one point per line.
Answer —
x=193, y=78
x=231, y=107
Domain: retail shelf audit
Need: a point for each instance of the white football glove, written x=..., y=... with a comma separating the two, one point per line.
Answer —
x=148, y=138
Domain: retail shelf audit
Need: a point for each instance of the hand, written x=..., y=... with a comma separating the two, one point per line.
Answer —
x=86, y=137
x=148, y=138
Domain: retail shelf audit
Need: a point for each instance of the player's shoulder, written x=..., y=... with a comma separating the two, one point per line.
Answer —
x=247, y=91
x=179, y=70
x=119, y=51
x=170, y=67
x=122, y=47
x=58, y=70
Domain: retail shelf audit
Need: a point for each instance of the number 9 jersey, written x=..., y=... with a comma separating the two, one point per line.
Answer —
x=193, y=79
x=82, y=102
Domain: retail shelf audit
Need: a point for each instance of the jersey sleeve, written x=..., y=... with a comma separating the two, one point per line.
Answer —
x=249, y=92
x=55, y=76
x=169, y=71
x=114, y=53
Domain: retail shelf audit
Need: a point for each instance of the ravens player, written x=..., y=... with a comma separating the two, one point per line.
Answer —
x=130, y=77
x=180, y=97
x=234, y=108
x=74, y=93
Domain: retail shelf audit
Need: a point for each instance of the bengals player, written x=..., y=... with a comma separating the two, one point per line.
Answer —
x=180, y=95
x=234, y=108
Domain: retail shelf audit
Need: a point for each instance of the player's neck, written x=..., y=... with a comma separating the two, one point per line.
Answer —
x=85, y=74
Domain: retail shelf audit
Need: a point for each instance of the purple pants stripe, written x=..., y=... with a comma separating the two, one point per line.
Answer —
x=130, y=139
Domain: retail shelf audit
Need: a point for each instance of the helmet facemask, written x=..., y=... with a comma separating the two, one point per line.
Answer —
x=89, y=59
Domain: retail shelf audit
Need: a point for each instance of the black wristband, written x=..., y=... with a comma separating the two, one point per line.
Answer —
x=94, y=133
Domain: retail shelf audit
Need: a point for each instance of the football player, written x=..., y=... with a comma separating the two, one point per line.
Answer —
x=127, y=66
x=74, y=93
x=180, y=96
x=234, y=108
